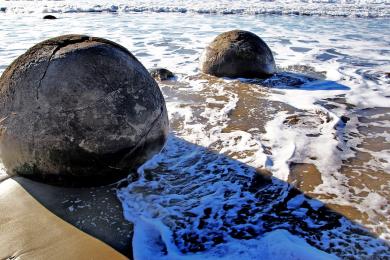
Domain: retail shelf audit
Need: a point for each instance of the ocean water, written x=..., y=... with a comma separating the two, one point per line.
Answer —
x=295, y=167
x=350, y=8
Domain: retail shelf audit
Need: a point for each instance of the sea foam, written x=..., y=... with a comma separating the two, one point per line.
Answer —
x=356, y=8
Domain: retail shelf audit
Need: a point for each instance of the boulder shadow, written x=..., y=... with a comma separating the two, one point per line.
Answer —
x=94, y=210
x=206, y=199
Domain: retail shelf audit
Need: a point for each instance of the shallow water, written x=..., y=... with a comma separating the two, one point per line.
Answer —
x=344, y=8
x=321, y=124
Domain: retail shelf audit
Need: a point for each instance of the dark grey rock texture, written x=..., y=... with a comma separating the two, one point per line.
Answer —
x=238, y=54
x=161, y=74
x=49, y=17
x=77, y=110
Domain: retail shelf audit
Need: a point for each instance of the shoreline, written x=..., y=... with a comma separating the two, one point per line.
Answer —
x=351, y=10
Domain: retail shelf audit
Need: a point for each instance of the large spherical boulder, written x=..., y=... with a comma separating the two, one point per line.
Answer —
x=80, y=110
x=238, y=54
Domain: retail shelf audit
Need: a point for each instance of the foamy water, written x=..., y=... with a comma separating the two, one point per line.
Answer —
x=354, y=8
x=320, y=124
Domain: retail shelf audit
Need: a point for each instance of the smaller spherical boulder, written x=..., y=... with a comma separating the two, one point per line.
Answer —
x=238, y=54
x=80, y=111
x=161, y=74
x=49, y=17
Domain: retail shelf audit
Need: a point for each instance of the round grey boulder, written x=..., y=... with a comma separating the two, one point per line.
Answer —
x=161, y=74
x=49, y=17
x=238, y=54
x=80, y=111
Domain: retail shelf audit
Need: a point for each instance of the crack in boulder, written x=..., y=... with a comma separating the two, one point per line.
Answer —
x=143, y=136
x=59, y=46
x=73, y=73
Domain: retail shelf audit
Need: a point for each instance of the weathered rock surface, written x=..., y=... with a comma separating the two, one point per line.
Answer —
x=77, y=110
x=237, y=54
x=161, y=74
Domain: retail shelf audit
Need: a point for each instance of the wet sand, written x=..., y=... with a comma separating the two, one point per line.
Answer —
x=254, y=110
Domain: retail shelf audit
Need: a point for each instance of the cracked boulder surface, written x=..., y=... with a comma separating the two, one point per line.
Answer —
x=238, y=54
x=79, y=111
